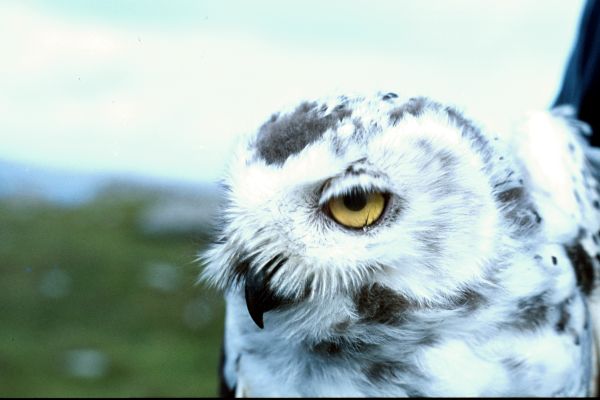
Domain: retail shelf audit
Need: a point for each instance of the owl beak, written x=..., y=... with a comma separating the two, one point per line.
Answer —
x=259, y=297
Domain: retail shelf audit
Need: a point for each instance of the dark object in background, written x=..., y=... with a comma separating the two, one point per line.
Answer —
x=581, y=83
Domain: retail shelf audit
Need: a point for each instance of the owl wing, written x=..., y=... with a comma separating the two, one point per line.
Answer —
x=562, y=172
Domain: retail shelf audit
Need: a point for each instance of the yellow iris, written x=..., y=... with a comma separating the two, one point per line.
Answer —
x=357, y=209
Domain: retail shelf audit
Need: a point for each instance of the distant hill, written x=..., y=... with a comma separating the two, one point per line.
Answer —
x=37, y=183
x=171, y=207
x=73, y=187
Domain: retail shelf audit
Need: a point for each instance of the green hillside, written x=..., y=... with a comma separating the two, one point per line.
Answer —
x=90, y=305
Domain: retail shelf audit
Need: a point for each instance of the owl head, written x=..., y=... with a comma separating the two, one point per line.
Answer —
x=330, y=195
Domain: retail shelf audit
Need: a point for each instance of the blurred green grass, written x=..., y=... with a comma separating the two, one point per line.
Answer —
x=79, y=280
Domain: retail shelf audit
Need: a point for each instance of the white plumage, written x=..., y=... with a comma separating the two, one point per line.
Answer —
x=380, y=246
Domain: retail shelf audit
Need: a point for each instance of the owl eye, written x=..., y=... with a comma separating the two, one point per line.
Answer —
x=357, y=209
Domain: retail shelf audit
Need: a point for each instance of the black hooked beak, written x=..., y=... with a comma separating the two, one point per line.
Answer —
x=259, y=296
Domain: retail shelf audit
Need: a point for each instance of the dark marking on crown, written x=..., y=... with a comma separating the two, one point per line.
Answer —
x=376, y=303
x=471, y=132
x=286, y=135
x=355, y=171
x=582, y=265
x=531, y=313
x=447, y=159
x=338, y=145
x=358, y=168
x=460, y=121
x=425, y=145
x=360, y=132
x=414, y=106
x=389, y=96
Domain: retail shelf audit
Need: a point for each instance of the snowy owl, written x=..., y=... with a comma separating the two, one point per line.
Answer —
x=387, y=246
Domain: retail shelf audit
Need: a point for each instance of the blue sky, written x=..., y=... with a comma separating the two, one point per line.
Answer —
x=162, y=88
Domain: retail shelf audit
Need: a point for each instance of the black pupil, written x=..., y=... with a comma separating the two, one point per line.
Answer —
x=355, y=201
